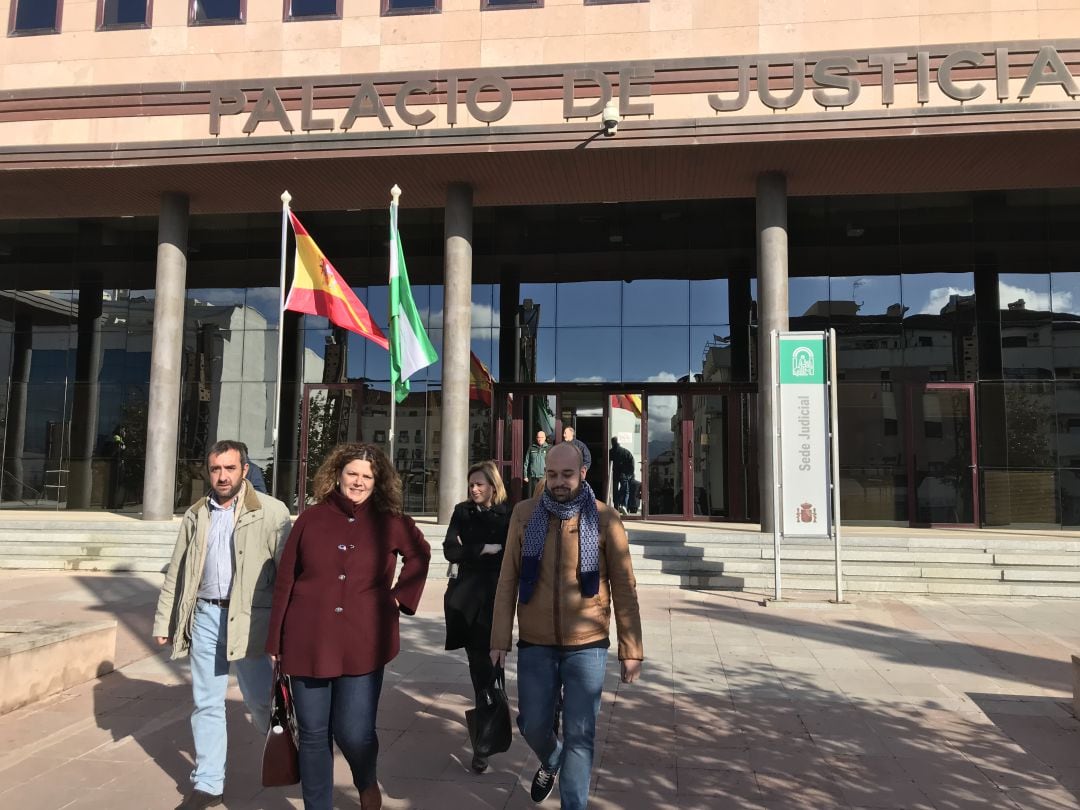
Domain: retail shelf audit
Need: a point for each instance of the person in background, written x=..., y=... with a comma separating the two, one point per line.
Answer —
x=255, y=473
x=215, y=607
x=622, y=473
x=334, y=624
x=115, y=449
x=570, y=435
x=534, y=462
x=566, y=567
x=474, y=542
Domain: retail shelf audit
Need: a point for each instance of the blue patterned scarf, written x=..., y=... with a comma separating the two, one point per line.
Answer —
x=588, y=541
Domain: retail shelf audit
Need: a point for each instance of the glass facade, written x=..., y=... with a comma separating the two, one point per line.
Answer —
x=957, y=315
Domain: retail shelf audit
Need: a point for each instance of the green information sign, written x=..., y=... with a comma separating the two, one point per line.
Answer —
x=802, y=360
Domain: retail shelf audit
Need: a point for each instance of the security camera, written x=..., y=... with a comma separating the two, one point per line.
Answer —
x=610, y=118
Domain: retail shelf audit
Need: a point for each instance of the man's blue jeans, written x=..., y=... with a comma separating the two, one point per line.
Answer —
x=209, y=681
x=339, y=709
x=542, y=673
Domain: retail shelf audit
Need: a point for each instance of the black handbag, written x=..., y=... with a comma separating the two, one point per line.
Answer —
x=281, y=753
x=489, y=722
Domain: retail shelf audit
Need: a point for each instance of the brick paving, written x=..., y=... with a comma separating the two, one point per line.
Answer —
x=884, y=703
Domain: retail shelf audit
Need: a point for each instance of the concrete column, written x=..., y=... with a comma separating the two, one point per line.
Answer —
x=84, y=419
x=772, y=314
x=457, y=334
x=163, y=418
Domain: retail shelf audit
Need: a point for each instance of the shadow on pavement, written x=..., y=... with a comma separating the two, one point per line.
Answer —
x=739, y=707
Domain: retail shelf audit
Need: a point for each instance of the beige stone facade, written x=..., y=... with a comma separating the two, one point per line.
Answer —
x=107, y=71
x=714, y=103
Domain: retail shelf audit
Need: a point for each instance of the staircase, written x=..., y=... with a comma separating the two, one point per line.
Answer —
x=111, y=544
x=686, y=556
x=973, y=564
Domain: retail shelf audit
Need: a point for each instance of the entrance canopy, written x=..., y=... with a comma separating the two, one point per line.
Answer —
x=355, y=174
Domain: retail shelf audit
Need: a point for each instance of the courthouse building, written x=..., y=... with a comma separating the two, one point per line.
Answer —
x=608, y=203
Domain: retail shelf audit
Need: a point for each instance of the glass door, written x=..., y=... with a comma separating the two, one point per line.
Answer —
x=625, y=457
x=330, y=416
x=942, y=457
x=524, y=418
x=665, y=454
x=709, y=456
x=583, y=413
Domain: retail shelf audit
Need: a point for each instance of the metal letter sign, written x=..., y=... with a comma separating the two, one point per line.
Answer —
x=804, y=436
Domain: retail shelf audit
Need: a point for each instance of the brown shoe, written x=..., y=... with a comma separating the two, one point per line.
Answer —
x=371, y=797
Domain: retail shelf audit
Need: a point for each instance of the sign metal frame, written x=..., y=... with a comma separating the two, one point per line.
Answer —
x=813, y=429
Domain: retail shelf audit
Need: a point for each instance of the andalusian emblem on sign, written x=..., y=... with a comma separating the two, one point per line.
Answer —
x=806, y=513
x=802, y=362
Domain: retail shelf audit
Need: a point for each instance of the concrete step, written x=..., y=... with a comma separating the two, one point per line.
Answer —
x=1034, y=558
x=744, y=567
x=65, y=549
x=946, y=540
x=85, y=564
x=764, y=585
x=1027, y=574
x=822, y=553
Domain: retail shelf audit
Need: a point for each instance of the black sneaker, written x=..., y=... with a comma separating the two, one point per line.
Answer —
x=542, y=784
x=200, y=799
x=479, y=763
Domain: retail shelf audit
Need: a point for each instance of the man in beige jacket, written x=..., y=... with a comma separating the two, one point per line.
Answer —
x=566, y=562
x=215, y=606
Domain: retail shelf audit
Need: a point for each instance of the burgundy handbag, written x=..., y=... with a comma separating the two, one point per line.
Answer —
x=281, y=756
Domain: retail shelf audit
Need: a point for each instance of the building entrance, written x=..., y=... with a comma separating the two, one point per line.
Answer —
x=942, y=460
x=682, y=452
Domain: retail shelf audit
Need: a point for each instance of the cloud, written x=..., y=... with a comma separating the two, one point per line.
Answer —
x=1040, y=302
x=1007, y=294
x=661, y=408
x=663, y=376
x=483, y=316
x=939, y=298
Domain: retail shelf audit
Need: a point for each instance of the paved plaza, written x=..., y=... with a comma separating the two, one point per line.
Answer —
x=884, y=703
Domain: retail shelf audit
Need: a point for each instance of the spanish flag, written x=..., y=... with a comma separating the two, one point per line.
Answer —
x=318, y=289
x=481, y=383
x=628, y=402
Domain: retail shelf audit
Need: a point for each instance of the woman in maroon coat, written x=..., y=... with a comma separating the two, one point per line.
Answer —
x=334, y=623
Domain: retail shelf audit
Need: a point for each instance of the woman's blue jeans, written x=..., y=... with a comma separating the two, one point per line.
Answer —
x=542, y=673
x=340, y=710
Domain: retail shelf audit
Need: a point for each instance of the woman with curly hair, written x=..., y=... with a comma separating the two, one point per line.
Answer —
x=334, y=623
x=475, y=541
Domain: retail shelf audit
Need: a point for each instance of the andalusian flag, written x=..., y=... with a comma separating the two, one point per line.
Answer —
x=318, y=289
x=410, y=349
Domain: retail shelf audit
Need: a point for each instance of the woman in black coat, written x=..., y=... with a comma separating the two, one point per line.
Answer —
x=475, y=541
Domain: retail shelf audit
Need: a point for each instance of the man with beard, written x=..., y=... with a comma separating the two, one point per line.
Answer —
x=215, y=606
x=566, y=562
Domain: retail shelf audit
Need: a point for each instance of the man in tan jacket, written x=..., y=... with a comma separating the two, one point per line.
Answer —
x=215, y=606
x=566, y=562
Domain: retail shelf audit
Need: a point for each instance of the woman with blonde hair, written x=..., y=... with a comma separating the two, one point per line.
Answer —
x=474, y=542
x=334, y=623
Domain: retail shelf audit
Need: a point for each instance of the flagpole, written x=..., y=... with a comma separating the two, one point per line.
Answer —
x=395, y=194
x=286, y=198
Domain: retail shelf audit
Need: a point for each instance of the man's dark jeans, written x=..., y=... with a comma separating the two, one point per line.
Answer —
x=622, y=490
